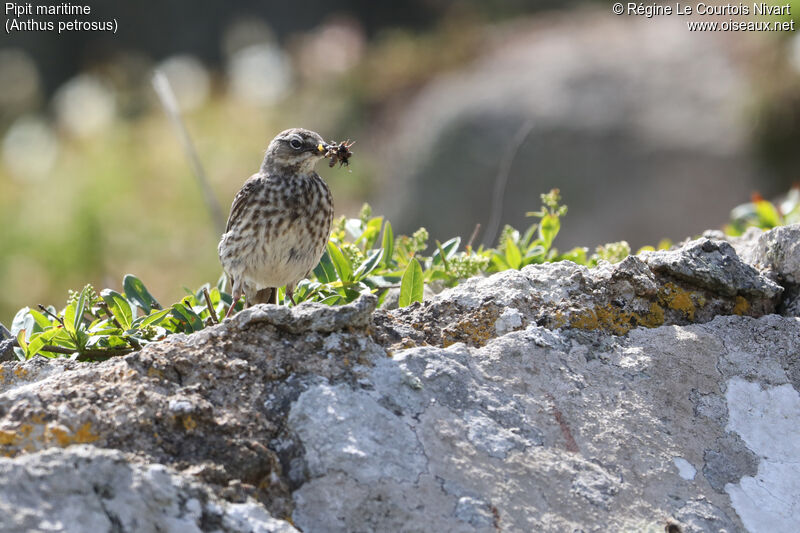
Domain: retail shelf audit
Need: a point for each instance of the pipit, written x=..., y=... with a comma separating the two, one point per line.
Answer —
x=280, y=220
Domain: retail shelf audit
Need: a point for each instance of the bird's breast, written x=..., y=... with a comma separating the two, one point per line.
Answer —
x=282, y=235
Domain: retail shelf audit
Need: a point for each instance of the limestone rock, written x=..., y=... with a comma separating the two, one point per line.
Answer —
x=83, y=488
x=660, y=391
x=694, y=283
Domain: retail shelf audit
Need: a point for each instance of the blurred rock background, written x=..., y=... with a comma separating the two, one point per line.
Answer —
x=649, y=130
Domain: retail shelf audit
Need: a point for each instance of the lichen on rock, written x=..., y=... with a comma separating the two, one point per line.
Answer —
x=548, y=399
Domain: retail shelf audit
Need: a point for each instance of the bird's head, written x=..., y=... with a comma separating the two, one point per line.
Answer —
x=294, y=151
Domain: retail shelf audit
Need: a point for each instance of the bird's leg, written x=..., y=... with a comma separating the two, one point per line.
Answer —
x=237, y=294
x=290, y=293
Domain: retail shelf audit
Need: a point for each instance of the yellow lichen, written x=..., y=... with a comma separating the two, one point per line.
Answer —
x=654, y=318
x=8, y=438
x=679, y=300
x=585, y=320
x=20, y=372
x=471, y=332
x=475, y=330
x=61, y=436
x=616, y=320
x=189, y=423
x=741, y=306
x=31, y=437
x=85, y=435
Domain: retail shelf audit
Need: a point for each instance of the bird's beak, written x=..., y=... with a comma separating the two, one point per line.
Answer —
x=322, y=148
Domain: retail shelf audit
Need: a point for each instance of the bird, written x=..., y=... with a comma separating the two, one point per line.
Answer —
x=279, y=222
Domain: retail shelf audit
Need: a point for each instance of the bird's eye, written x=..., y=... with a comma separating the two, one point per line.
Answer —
x=296, y=144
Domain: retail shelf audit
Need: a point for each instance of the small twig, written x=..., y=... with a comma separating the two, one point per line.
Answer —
x=501, y=181
x=47, y=311
x=111, y=317
x=57, y=349
x=94, y=355
x=87, y=354
x=134, y=343
x=474, y=235
x=170, y=103
x=210, y=306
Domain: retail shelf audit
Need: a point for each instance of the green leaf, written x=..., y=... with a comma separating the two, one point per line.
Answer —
x=43, y=321
x=19, y=320
x=325, y=271
x=369, y=264
x=388, y=244
x=576, y=255
x=548, y=229
x=188, y=318
x=371, y=233
x=768, y=216
x=449, y=248
x=138, y=293
x=80, y=307
x=330, y=300
x=535, y=254
x=499, y=262
x=69, y=316
x=107, y=341
x=411, y=285
x=21, y=340
x=119, y=307
x=528, y=237
x=340, y=262
x=39, y=341
x=513, y=255
x=152, y=319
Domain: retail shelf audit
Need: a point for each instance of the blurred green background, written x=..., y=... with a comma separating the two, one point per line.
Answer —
x=94, y=182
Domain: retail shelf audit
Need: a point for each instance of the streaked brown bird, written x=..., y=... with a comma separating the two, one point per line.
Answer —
x=280, y=220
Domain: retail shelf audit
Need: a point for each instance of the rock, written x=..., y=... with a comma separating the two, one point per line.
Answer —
x=210, y=402
x=7, y=350
x=658, y=392
x=712, y=265
x=778, y=250
x=694, y=283
x=84, y=488
x=6, y=345
x=623, y=140
x=393, y=296
x=776, y=253
x=586, y=436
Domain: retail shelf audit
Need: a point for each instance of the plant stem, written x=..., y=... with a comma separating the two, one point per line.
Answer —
x=473, y=236
x=210, y=306
x=111, y=317
x=47, y=311
x=87, y=354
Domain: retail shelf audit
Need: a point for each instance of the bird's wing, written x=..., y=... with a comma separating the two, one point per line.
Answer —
x=242, y=199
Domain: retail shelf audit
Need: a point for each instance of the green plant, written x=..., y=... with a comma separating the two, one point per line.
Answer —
x=761, y=213
x=363, y=255
x=95, y=326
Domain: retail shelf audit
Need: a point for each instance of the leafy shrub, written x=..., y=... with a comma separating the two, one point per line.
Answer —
x=362, y=255
x=96, y=325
